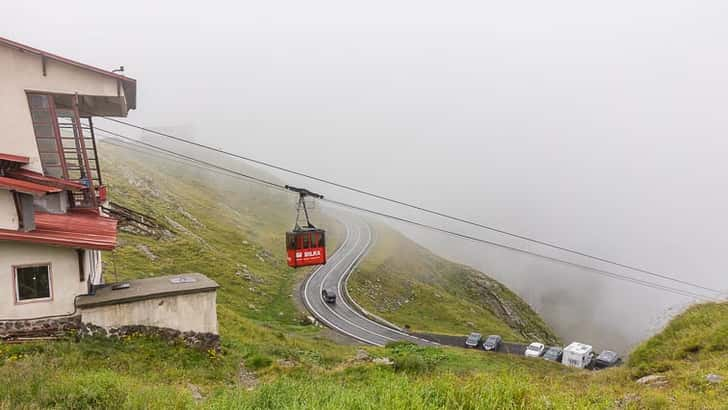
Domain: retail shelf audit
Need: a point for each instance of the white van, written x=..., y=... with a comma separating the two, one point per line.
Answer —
x=577, y=355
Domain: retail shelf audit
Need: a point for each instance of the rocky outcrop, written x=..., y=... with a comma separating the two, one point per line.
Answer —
x=508, y=307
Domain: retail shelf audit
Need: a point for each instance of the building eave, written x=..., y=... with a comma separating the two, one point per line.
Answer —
x=129, y=84
x=38, y=178
x=26, y=187
x=83, y=230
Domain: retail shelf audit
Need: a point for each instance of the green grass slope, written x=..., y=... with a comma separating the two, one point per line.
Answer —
x=293, y=372
x=222, y=227
x=694, y=344
x=410, y=286
x=270, y=360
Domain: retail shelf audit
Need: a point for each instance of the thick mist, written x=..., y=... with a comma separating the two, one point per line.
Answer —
x=600, y=127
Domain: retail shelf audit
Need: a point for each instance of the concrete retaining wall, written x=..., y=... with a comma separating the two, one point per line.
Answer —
x=187, y=313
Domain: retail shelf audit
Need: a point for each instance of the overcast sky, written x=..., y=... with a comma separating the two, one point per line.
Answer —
x=599, y=126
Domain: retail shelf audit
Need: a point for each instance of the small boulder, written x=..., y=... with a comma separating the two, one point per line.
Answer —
x=628, y=401
x=653, y=380
x=286, y=363
x=246, y=378
x=713, y=378
x=195, y=391
x=362, y=355
x=384, y=361
x=147, y=252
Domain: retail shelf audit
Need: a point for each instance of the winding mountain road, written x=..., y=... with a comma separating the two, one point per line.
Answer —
x=344, y=316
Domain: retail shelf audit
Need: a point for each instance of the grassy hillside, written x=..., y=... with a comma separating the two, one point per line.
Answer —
x=410, y=286
x=693, y=344
x=142, y=373
x=227, y=228
x=271, y=360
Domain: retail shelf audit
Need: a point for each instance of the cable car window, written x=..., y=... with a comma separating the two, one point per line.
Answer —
x=306, y=241
x=322, y=240
x=290, y=241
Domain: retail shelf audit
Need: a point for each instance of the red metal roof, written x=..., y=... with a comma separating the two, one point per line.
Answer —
x=128, y=83
x=38, y=178
x=26, y=187
x=14, y=158
x=74, y=229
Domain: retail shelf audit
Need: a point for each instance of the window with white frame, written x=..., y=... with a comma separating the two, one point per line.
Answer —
x=32, y=282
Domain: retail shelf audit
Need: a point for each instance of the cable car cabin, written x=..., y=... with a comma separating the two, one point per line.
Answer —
x=306, y=247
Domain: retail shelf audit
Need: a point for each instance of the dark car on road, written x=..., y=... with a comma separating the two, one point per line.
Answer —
x=328, y=295
x=554, y=354
x=492, y=343
x=473, y=340
x=607, y=358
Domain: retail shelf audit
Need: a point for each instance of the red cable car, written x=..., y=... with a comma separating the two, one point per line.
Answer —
x=306, y=246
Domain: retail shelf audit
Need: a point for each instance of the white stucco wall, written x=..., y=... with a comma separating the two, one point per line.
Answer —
x=65, y=283
x=8, y=212
x=21, y=72
x=189, y=312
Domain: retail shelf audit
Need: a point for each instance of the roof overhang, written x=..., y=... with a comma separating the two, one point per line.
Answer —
x=38, y=178
x=128, y=84
x=26, y=187
x=10, y=162
x=18, y=159
x=85, y=230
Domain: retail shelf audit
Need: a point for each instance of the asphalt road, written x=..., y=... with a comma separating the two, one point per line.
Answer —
x=347, y=318
x=343, y=316
x=518, y=349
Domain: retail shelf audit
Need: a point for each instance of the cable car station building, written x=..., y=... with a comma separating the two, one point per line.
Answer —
x=52, y=227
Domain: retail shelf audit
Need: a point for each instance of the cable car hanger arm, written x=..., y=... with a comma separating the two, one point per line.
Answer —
x=303, y=192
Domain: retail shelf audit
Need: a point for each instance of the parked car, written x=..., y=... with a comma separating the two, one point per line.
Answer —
x=535, y=349
x=473, y=340
x=607, y=358
x=578, y=355
x=553, y=354
x=328, y=295
x=492, y=343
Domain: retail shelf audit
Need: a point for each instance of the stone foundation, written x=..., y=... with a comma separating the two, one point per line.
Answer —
x=10, y=329
x=197, y=340
x=39, y=327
